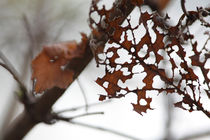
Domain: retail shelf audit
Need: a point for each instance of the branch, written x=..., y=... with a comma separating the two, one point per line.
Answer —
x=83, y=93
x=58, y=117
x=22, y=93
x=10, y=68
x=81, y=107
x=39, y=110
x=183, y=7
x=33, y=114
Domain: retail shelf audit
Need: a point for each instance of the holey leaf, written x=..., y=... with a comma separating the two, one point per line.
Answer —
x=50, y=67
x=162, y=50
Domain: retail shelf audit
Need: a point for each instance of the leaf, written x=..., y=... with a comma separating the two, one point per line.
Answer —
x=142, y=108
x=112, y=79
x=167, y=46
x=50, y=67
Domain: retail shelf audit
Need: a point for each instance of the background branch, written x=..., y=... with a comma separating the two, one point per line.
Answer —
x=10, y=68
x=39, y=110
x=83, y=93
x=83, y=106
x=58, y=117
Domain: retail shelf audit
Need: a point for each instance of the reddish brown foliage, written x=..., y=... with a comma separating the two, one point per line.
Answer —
x=168, y=42
x=50, y=66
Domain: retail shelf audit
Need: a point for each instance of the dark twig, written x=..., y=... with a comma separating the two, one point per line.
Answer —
x=103, y=129
x=81, y=107
x=183, y=7
x=58, y=117
x=205, y=44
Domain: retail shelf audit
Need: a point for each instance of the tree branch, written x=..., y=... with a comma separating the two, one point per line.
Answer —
x=81, y=107
x=58, y=117
x=9, y=67
x=183, y=7
x=38, y=111
x=22, y=93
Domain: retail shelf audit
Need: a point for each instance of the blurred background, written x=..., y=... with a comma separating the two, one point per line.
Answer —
x=26, y=25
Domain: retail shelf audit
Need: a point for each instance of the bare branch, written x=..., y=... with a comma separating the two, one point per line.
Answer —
x=81, y=107
x=58, y=117
x=183, y=7
x=205, y=44
x=10, y=68
x=22, y=92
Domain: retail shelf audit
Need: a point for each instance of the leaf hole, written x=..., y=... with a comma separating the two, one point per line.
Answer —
x=139, y=33
x=122, y=37
x=186, y=106
x=118, y=67
x=95, y=16
x=143, y=102
x=151, y=59
x=124, y=56
x=106, y=84
x=109, y=54
x=143, y=51
x=133, y=50
x=125, y=71
x=152, y=34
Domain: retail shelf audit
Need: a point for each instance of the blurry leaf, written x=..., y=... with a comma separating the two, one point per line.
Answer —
x=157, y=4
x=50, y=66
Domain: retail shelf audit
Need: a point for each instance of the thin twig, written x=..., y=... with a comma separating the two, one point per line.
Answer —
x=10, y=68
x=183, y=7
x=28, y=29
x=58, y=117
x=81, y=107
x=196, y=135
x=205, y=44
x=59, y=31
x=83, y=93
x=104, y=129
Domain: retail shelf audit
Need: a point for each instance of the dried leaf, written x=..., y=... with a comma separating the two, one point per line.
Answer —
x=50, y=66
x=166, y=47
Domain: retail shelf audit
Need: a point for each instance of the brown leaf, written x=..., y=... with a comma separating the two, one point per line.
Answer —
x=50, y=66
x=166, y=47
x=142, y=108
x=112, y=80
